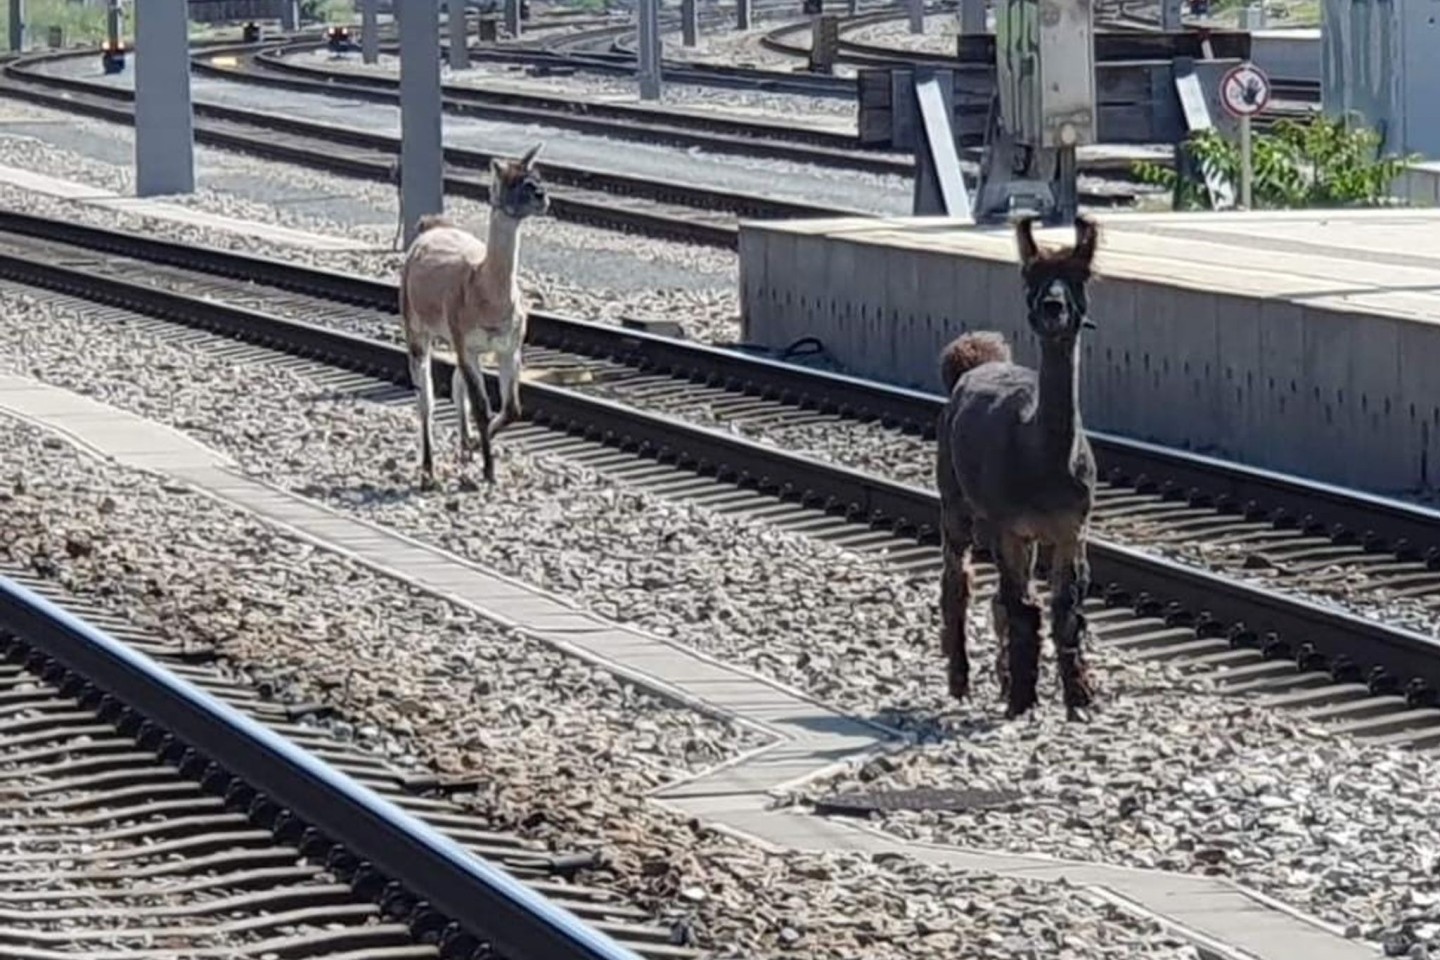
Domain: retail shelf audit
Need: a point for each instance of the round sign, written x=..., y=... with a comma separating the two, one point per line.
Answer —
x=1245, y=90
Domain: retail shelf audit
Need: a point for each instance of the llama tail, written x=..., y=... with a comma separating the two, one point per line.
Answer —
x=432, y=220
x=970, y=350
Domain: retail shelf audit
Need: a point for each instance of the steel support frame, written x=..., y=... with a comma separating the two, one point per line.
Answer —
x=164, y=115
x=422, y=147
x=742, y=14
x=290, y=15
x=512, y=18
x=972, y=18
x=917, y=15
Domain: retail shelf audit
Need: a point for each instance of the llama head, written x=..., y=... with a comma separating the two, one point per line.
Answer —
x=1057, y=300
x=516, y=187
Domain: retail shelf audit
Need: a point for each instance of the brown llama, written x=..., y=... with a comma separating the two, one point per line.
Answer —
x=454, y=286
x=1014, y=469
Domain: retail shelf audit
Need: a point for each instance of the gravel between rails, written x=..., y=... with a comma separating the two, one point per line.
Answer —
x=941, y=31
x=842, y=627
x=835, y=187
x=597, y=274
x=825, y=113
x=568, y=749
x=708, y=312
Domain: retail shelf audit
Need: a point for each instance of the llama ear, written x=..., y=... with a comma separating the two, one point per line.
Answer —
x=528, y=161
x=1026, y=240
x=1087, y=238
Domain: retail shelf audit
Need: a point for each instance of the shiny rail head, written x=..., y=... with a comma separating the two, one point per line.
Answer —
x=483, y=900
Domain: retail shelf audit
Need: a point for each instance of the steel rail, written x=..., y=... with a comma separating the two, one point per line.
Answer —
x=1352, y=648
x=488, y=904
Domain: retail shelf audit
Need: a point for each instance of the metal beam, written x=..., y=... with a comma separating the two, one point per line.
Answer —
x=939, y=182
x=422, y=150
x=112, y=22
x=972, y=18
x=370, y=30
x=459, y=51
x=164, y=119
x=648, y=74
x=917, y=16
x=1170, y=15
x=512, y=18
x=742, y=14
x=17, y=25
x=689, y=23
x=289, y=15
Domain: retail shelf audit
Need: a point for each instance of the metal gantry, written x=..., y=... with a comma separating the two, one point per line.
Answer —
x=422, y=148
x=164, y=116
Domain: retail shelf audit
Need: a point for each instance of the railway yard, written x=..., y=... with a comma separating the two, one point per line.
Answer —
x=263, y=696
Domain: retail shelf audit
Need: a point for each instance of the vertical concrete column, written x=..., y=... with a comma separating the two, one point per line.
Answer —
x=689, y=23
x=17, y=25
x=512, y=18
x=648, y=74
x=370, y=30
x=422, y=148
x=290, y=15
x=164, y=123
x=1170, y=20
x=917, y=15
x=972, y=18
x=742, y=14
x=112, y=22
x=459, y=52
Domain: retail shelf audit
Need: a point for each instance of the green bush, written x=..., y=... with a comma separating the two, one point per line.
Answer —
x=1318, y=162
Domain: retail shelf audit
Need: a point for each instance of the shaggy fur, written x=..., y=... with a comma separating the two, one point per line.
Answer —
x=1014, y=471
x=455, y=287
x=970, y=350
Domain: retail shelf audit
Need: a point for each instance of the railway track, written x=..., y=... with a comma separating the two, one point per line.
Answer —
x=672, y=417
x=157, y=805
x=647, y=205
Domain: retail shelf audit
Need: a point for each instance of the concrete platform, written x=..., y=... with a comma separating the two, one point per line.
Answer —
x=1223, y=920
x=1298, y=341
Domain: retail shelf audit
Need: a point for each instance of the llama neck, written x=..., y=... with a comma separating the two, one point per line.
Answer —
x=1059, y=404
x=502, y=249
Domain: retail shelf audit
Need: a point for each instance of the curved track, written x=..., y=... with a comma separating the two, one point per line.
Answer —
x=646, y=410
x=159, y=808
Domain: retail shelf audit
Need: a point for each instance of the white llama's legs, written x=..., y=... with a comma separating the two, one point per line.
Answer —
x=510, y=368
x=420, y=377
x=457, y=397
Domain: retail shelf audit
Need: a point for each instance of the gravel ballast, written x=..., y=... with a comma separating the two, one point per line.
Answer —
x=564, y=751
x=596, y=274
x=841, y=627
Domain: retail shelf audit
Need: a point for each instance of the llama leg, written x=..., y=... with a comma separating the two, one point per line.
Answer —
x=1069, y=583
x=420, y=377
x=956, y=539
x=1016, y=558
x=457, y=397
x=480, y=402
x=510, y=367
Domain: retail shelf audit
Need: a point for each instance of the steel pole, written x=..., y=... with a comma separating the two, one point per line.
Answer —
x=17, y=25
x=422, y=150
x=112, y=23
x=290, y=15
x=648, y=75
x=370, y=30
x=459, y=52
x=164, y=118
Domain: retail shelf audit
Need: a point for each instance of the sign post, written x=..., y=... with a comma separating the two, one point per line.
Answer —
x=1245, y=92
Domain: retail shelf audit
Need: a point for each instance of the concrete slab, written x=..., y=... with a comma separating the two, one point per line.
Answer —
x=809, y=739
x=1287, y=335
